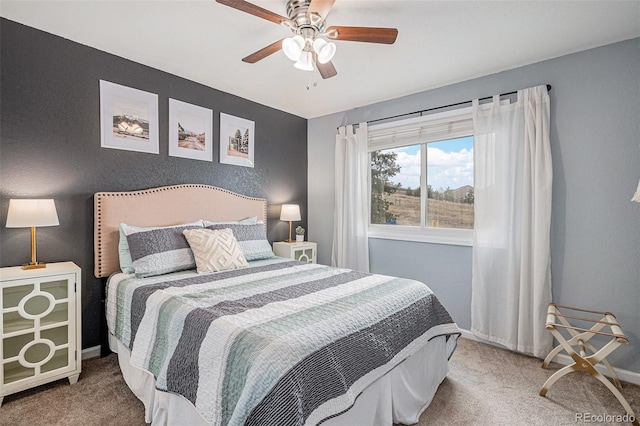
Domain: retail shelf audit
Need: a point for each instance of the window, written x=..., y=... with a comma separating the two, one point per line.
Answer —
x=421, y=178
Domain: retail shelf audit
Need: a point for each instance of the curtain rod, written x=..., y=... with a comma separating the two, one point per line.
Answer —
x=445, y=106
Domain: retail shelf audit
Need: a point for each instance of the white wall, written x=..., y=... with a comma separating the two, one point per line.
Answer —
x=595, y=137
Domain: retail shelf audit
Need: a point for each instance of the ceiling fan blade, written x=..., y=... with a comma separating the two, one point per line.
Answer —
x=264, y=52
x=326, y=70
x=252, y=9
x=366, y=34
x=320, y=8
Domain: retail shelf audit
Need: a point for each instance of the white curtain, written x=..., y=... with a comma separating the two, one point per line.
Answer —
x=350, y=242
x=636, y=196
x=511, y=281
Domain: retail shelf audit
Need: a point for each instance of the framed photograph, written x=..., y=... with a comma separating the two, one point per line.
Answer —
x=236, y=140
x=190, y=131
x=128, y=118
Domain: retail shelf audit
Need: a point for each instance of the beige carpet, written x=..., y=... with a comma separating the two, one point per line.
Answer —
x=100, y=397
x=491, y=386
x=486, y=386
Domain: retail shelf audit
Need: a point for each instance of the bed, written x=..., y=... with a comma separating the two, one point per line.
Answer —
x=265, y=341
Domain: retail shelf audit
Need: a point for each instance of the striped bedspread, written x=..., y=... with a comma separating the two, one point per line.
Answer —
x=280, y=342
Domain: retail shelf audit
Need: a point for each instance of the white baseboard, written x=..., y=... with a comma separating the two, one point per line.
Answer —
x=91, y=352
x=564, y=359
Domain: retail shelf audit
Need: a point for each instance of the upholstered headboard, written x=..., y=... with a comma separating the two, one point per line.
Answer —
x=163, y=206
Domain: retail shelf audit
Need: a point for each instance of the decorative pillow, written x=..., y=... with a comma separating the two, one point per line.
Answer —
x=126, y=264
x=159, y=250
x=252, y=239
x=215, y=250
x=247, y=221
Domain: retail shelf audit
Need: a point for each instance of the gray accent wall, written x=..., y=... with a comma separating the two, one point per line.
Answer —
x=50, y=148
x=595, y=230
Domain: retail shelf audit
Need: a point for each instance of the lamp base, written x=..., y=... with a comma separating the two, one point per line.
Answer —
x=36, y=265
x=289, y=241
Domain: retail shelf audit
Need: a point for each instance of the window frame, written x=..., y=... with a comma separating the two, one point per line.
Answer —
x=423, y=233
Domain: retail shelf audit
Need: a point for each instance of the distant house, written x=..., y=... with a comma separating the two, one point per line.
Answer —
x=461, y=193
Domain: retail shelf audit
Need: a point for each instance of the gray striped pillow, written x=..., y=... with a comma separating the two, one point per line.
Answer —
x=160, y=250
x=251, y=238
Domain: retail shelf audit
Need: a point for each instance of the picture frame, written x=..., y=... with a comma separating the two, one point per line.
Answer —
x=236, y=140
x=128, y=118
x=190, y=131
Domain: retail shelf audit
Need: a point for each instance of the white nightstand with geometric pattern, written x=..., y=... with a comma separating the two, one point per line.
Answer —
x=40, y=332
x=305, y=251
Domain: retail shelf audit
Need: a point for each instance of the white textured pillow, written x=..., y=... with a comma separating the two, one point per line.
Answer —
x=215, y=250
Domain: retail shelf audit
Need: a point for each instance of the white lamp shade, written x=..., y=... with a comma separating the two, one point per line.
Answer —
x=305, y=63
x=292, y=47
x=28, y=213
x=324, y=50
x=290, y=212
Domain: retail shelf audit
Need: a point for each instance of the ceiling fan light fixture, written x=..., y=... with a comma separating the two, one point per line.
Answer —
x=292, y=47
x=305, y=63
x=324, y=49
x=307, y=21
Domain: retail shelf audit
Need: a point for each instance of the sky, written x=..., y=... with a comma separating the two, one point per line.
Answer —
x=190, y=122
x=126, y=106
x=449, y=164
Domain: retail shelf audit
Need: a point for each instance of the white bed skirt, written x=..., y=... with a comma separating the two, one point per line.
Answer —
x=400, y=396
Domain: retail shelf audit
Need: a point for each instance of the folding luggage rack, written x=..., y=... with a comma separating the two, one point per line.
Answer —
x=579, y=338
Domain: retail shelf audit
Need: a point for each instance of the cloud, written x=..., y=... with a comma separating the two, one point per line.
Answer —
x=445, y=169
x=409, y=175
x=449, y=169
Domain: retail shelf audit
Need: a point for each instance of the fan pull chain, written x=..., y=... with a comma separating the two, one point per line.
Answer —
x=309, y=75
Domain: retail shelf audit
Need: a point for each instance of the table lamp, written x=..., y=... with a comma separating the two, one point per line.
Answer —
x=32, y=214
x=290, y=212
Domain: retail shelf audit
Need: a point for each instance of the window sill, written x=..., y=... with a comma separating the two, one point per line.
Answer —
x=455, y=237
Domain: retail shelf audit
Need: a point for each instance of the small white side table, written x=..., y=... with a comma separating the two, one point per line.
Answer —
x=40, y=332
x=304, y=252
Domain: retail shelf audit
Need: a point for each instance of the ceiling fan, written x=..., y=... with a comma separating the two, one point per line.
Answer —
x=309, y=45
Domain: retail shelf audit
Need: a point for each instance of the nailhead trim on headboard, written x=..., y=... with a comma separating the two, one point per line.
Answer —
x=100, y=270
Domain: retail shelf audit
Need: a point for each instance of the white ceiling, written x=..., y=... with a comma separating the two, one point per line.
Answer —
x=439, y=42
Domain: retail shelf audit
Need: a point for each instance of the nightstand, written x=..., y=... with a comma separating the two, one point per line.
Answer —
x=40, y=332
x=305, y=251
